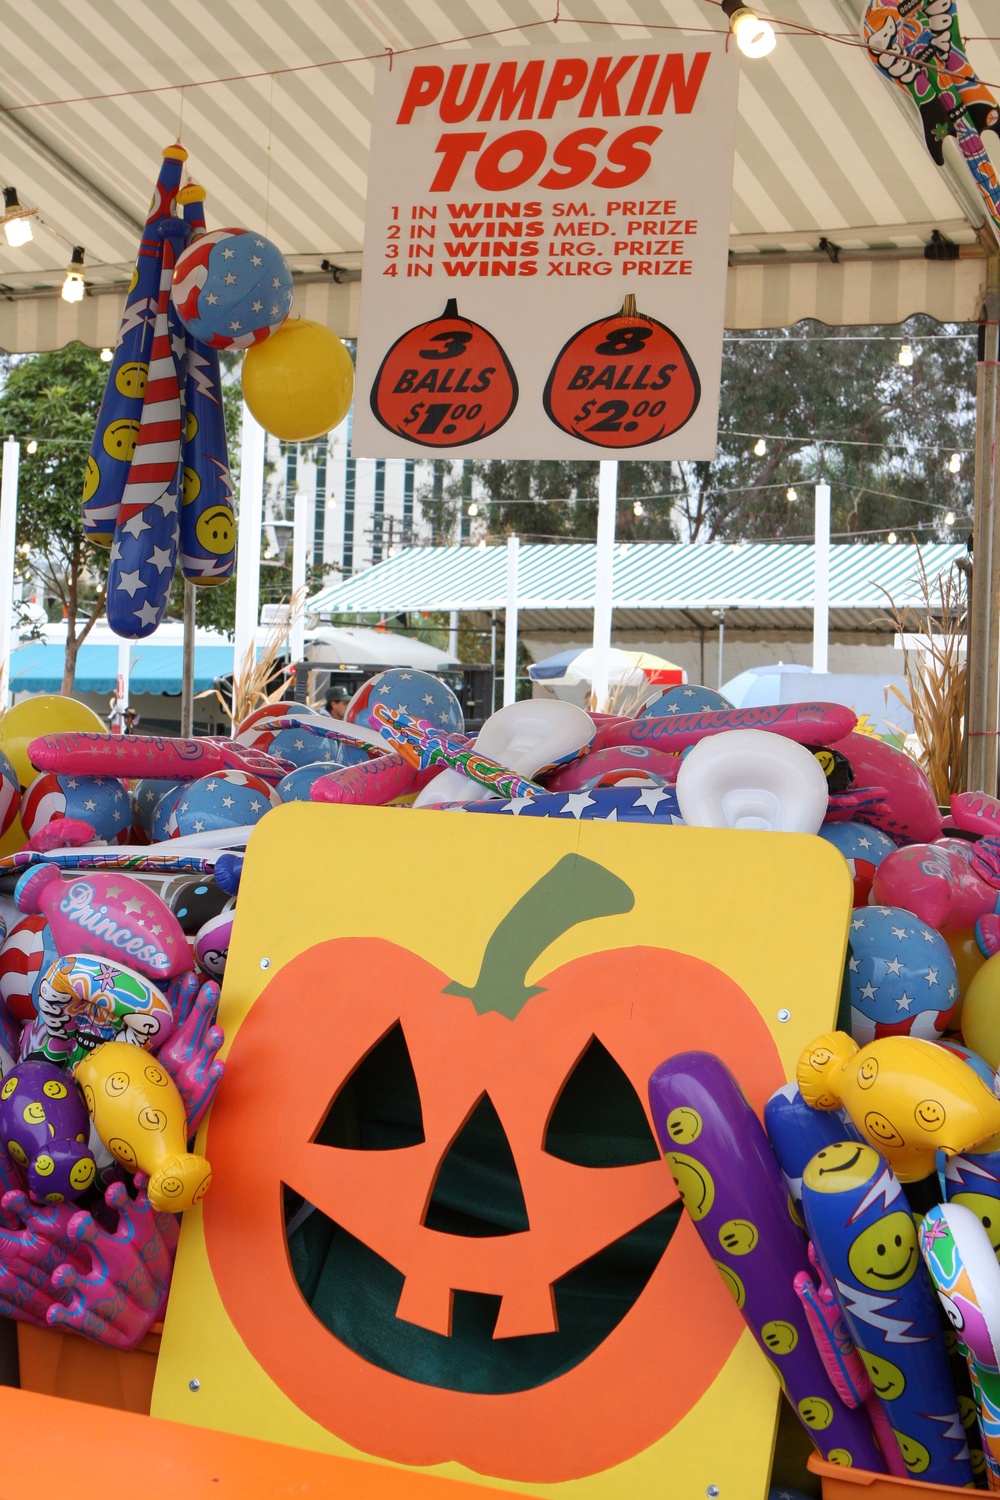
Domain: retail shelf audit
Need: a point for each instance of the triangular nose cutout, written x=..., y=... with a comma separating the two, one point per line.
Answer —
x=477, y=1191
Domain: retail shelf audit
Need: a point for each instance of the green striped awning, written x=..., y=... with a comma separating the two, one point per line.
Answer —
x=669, y=585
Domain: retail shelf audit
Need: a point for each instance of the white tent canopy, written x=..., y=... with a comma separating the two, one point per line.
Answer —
x=274, y=107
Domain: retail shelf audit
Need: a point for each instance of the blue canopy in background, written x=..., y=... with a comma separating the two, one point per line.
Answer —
x=38, y=668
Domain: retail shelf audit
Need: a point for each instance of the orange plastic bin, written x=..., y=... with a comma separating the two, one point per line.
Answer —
x=57, y=1362
x=859, y=1484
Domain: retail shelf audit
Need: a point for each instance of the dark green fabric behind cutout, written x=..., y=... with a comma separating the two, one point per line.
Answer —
x=477, y=1191
x=378, y=1108
x=598, y=1120
x=354, y=1293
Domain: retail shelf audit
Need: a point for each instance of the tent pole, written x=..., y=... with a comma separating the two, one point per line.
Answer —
x=248, y=542
x=984, y=620
x=510, y=625
x=8, y=525
x=453, y=634
x=300, y=519
x=821, y=582
x=187, y=661
x=607, y=509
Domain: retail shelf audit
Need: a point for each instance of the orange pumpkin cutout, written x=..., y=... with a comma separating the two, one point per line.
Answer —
x=622, y=382
x=445, y=383
x=436, y=1334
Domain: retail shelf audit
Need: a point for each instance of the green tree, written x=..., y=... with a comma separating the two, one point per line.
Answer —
x=54, y=399
x=831, y=403
x=835, y=403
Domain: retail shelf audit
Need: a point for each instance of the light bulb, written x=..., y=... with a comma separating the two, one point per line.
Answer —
x=906, y=356
x=73, y=286
x=949, y=519
x=754, y=37
x=891, y=537
x=791, y=494
x=760, y=447
x=638, y=509
x=482, y=545
x=17, y=232
x=954, y=463
x=16, y=220
x=33, y=446
x=107, y=355
x=473, y=509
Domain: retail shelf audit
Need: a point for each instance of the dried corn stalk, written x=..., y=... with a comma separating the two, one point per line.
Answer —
x=935, y=674
x=254, y=673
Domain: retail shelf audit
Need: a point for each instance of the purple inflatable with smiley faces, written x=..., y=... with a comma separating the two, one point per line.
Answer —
x=44, y=1127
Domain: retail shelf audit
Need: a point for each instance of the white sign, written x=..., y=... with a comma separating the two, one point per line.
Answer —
x=545, y=256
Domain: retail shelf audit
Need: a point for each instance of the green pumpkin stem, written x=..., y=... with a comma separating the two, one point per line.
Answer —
x=575, y=890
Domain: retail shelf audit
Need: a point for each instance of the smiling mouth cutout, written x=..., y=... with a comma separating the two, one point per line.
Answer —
x=354, y=1293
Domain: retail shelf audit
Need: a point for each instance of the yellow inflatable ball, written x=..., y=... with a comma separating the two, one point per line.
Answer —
x=47, y=714
x=981, y=1012
x=299, y=383
x=969, y=959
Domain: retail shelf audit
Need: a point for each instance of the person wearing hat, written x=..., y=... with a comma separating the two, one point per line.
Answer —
x=337, y=699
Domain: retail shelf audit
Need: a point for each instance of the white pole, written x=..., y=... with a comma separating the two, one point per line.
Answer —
x=453, y=635
x=607, y=506
x=121, y=686
x=300, y=519
x=8, y=524
x=821, y=582
x=510, y=625
x=248, y=539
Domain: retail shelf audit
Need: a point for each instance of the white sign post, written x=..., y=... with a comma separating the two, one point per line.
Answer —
x=8, y=525
x=248, y=542
x=607, y=514
x=821, y=581
x=546, y=239
x=510, y=624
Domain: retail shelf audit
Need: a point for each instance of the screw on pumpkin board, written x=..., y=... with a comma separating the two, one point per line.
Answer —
x=575, y=890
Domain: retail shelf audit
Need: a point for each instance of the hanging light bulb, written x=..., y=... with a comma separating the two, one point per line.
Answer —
x=760, y=447
x=638, y=509
x=73, y=286
x=482, y=545
x=954, y=463
x=905, y=356
x=473, y=509
x=107, y=355
x=33, y=446
x=791, y=494
x=949, y=519
x=754, y=37
x=891, y=537
x=16, y=220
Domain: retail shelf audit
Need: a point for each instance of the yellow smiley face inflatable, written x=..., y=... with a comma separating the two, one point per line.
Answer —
x=216, y=530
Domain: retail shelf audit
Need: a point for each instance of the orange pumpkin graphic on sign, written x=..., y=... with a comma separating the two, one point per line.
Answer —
x=444, y=383
x=450, y=1235
x=622, y=382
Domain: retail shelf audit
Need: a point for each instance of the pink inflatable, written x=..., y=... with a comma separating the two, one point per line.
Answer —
x=615, y=758
x=149, y=755
x=808, y=724
x=912, y=812
x=371, y=783
x=108, y=915
x=976, y=812
x=937, y=883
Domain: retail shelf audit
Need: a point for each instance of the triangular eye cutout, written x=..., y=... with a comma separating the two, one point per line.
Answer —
x=477, y=1191
x=598, y=1120
x=378, y=1108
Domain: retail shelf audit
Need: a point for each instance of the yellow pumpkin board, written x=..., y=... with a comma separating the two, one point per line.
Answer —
x=440, y=1232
